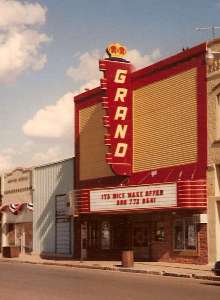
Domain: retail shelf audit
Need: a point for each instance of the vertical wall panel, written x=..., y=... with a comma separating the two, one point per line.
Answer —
x=48, y=181
x=165, y=122
x=92, y=147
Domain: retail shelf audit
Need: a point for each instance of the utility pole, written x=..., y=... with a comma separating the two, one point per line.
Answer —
x=211, y=28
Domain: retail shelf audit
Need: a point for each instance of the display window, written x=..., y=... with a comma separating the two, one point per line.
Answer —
x=105, y=236
x=185, y=236
x=159, y=232
x=93, y=235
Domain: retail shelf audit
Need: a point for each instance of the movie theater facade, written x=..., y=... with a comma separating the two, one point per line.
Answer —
x=143, y=175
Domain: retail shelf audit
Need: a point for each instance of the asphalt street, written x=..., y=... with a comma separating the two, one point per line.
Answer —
x=28, y=281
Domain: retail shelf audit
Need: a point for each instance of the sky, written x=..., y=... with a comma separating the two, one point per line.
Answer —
x=49, y=52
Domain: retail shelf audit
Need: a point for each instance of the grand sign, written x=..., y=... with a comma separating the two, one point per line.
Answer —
x=117, y=102
x=127, y=198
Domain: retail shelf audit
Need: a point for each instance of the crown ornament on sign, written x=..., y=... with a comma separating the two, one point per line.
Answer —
x=116, y=50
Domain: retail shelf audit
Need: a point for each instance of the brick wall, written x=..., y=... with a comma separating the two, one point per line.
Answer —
x=163, y=250
x=160, y=250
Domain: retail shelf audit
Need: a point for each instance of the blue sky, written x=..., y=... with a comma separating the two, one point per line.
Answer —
x=49, y=50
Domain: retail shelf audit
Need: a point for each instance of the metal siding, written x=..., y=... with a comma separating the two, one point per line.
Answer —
x=92, y=147
x=49, y=181
x=165, y=122
x=63, y=237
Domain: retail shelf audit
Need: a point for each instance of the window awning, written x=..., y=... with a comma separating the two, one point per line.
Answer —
x=17, y=213
x=16, y=208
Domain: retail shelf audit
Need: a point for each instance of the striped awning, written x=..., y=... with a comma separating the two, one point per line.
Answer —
x=15, y=208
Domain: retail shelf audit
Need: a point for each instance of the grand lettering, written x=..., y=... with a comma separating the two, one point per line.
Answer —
x=121, y=113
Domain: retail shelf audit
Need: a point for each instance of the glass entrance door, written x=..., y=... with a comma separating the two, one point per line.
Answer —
x=141, y=241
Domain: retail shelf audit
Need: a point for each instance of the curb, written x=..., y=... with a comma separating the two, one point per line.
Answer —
x=204, y=277
x=171, y=274
x=118, y=269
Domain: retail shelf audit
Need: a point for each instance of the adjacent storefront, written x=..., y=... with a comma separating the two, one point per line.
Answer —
x=17, y=210
x=52, y=218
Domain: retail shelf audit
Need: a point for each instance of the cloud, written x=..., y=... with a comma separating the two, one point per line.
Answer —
x=16, y=13
x=140, y=61
x=34, y=153
x=20, y=42
x=52, y=154
x=11, y=156
x=88, y=68
x=54, y=121
x=6, y=162
x=20, y=51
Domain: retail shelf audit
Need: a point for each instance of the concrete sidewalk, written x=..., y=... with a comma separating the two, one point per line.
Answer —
x=153, y=268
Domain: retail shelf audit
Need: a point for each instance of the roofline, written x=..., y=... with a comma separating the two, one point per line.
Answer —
x=11, y=171
x=53, y=163
x=87, y=94
x=171, y=60
x=164, y=63
x=211, y=42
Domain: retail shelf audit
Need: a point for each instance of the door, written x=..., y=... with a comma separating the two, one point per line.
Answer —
x=83, y=241
x=19, y=237
x=63, y=226
x=141, y=241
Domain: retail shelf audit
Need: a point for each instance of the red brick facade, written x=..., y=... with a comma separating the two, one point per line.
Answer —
x=158, y=250
x=163, y=251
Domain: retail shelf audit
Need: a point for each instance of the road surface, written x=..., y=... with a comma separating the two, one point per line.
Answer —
x=29, y=282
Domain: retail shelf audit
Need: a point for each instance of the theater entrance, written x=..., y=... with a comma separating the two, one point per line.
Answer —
x=141, y=243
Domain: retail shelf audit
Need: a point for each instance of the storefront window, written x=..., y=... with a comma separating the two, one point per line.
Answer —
x=185, y=235
x=160, y=231
x=93, y=235
x=179, y=235
x=190, y=236
x=105, y=236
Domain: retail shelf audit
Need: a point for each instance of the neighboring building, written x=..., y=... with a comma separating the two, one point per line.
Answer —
x=213, y=166
x=17, y=209
x=147, y=159
x=52, y=220
x=0, y=214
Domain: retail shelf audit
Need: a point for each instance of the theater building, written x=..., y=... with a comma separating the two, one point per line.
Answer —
x=147, y=159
